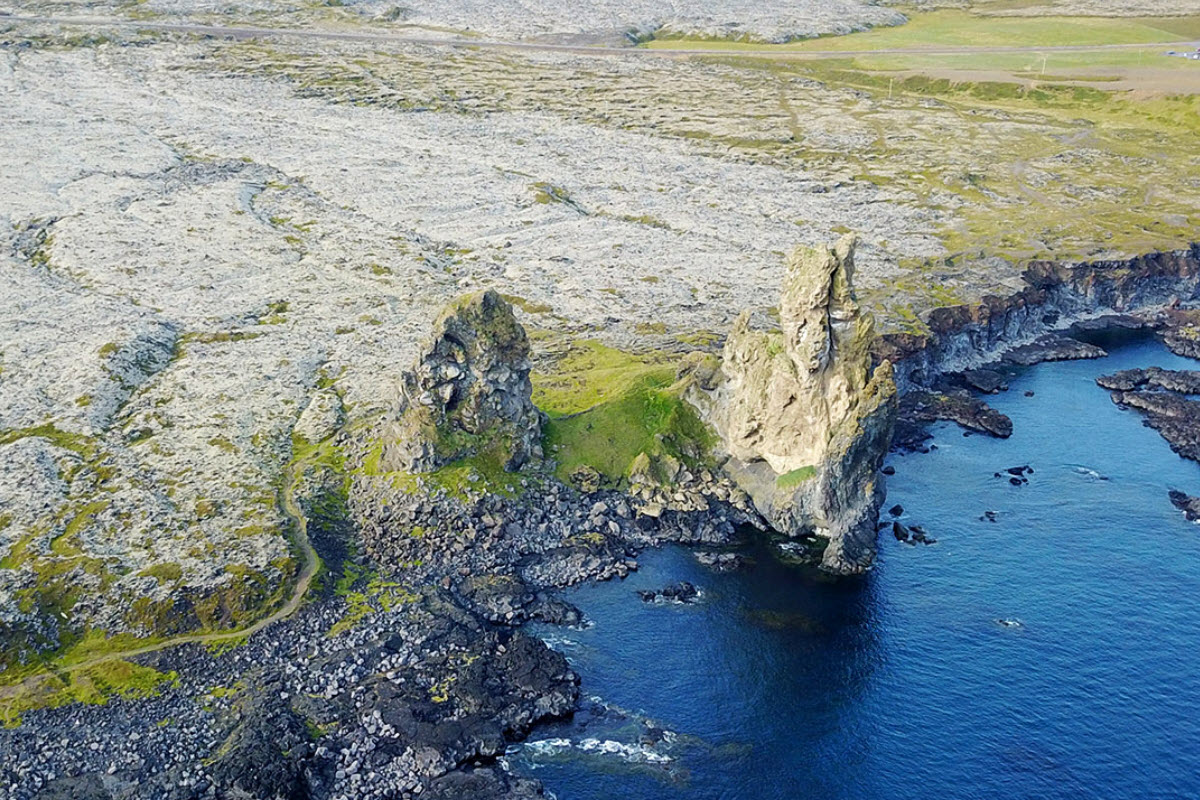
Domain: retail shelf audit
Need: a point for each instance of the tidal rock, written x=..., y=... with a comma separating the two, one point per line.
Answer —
x=918, y=409
x=1187, y=504
x=1184, y=381
x=803, y=417
x=1175, y=417
x=1190, y=506
x=469, y=392
x=681, y=592
x=1052, y=347
x=987, y=381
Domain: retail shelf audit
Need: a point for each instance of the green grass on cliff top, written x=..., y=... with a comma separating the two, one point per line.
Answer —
x=607, y=406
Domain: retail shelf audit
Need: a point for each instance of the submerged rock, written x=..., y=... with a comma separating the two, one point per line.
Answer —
x=721, y=562
x=804, y=419
x=469, y=392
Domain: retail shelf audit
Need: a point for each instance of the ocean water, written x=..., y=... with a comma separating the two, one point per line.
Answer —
x=781, y=683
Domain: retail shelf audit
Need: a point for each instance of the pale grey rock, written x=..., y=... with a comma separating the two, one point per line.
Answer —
x=803, y=417
x=321, y=418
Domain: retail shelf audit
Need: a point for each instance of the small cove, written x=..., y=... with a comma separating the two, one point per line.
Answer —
x=781, y=683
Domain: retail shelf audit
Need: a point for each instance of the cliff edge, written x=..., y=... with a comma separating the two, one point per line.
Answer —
x=805, y=421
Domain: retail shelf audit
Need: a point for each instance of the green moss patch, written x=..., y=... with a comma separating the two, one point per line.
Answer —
x=84, y=446
x=790, y=480
x=608, y=406
x=367, y=593
x=94, y=685
x=590, y=373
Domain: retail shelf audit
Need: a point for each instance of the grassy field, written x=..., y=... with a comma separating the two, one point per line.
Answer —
x=953, y=28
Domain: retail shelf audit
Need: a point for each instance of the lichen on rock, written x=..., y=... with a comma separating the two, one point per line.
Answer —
x=804, y=419
x=469, y=392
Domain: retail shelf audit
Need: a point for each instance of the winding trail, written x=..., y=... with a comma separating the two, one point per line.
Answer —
x=308, y=571
x=253, y=32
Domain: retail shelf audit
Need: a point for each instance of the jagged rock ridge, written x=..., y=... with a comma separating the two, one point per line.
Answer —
x=804, y=419
x=468, y=392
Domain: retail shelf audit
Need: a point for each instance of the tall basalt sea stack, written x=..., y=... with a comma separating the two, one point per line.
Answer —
x=805, y=421
x=468, y=393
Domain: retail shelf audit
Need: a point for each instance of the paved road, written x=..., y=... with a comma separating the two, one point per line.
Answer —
x=250, y=32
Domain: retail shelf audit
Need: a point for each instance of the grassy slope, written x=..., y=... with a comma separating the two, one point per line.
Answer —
x=606, y=407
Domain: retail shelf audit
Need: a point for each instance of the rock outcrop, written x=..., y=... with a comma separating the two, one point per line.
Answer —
x=468, y=393
x=805, y=421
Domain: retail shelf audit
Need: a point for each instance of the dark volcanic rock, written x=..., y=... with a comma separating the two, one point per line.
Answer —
x=681, y=592
x=505, y=599
x=470, y=784
x=918, y=409
x=262, y=757
x=1173, y=416
x=86, y=787
x=1052, y=347
x=987, y=381
x=1190, y=506
x=1181, y=381
x=477, y=690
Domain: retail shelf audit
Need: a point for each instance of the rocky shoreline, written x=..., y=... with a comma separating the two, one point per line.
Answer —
x=433, y=678
x=970, y=348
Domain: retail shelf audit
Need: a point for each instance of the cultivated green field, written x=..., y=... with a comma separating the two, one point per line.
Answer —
x=953, y=28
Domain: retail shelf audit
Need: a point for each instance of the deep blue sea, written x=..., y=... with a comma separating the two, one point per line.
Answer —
x=781, y=683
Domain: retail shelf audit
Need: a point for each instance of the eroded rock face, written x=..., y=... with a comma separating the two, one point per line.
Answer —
x=469, y=391
x=805, y=420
